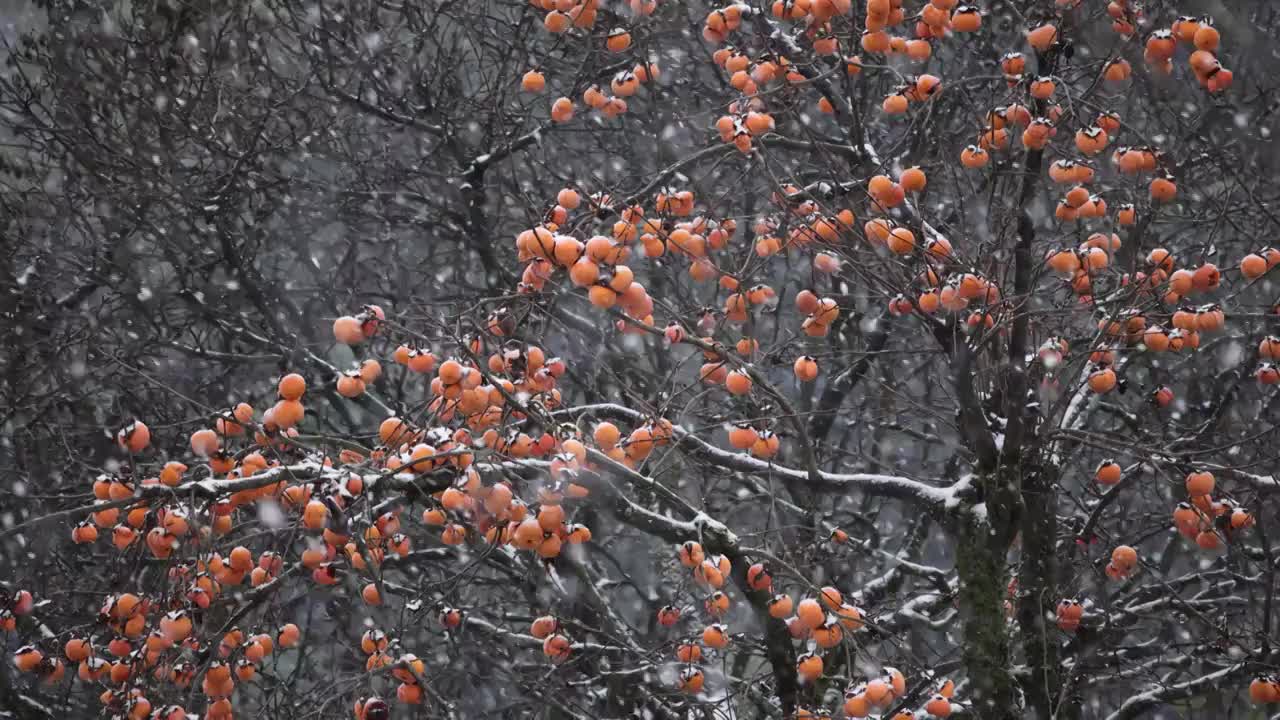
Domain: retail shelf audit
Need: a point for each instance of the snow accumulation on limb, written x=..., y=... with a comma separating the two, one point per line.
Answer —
x=919, y=610
x=1257, y=482
x=216, y=488
x=892, y=486
x=1075, y=414
x=34, y=706
x=642, y=518
x=1141, y=702
x=929, y=231
x=494, y=631
x=913, y=568
x=886, y=486
x=309, y=470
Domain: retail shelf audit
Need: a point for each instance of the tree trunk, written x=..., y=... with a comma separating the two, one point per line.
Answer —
x=1037, y=592
x=980, y=554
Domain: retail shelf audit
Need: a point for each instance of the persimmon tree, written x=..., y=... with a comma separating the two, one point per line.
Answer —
x=794, y=359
